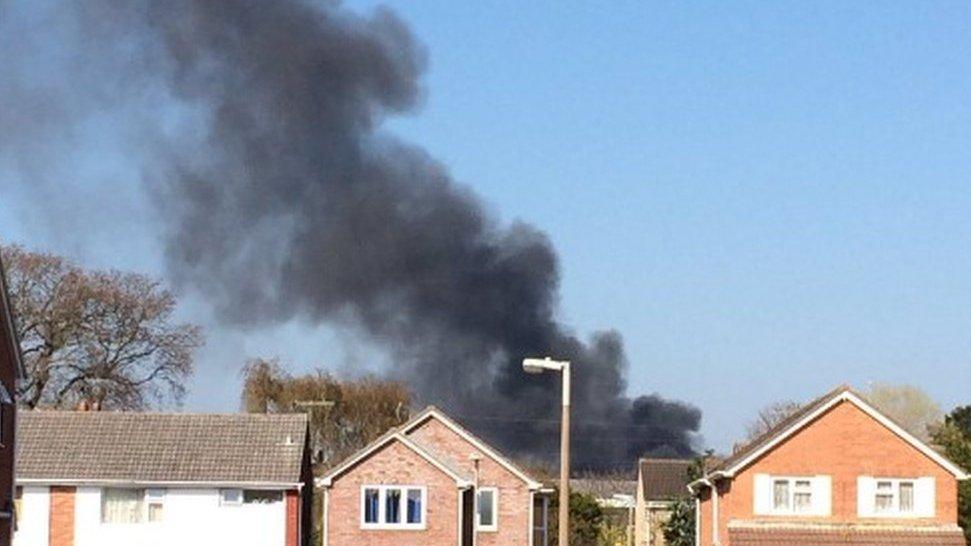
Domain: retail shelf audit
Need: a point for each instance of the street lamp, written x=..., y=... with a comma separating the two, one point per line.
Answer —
x=540, y=365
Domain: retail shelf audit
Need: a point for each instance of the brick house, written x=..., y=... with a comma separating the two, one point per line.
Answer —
x=836, y=472
x=152, y=479
x=11, y=369
x=660, y=482
x=432, y=482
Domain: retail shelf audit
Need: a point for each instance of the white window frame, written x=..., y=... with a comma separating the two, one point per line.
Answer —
x=495, y=510
x=895, y=511
x=149, y=496
x=403, y=524
x=791, y=510
x=224, y=502
x=154, y=496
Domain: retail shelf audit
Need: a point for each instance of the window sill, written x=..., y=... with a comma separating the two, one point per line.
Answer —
x=379, y=527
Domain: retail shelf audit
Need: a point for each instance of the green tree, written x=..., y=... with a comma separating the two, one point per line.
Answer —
x=586, y=520
x=954, y=439
x=679, y=530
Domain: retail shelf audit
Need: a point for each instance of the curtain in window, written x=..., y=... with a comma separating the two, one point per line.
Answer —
x=371, y=505
x=780, y=498
x=414, y=506
x=392, y=506
x=121, y=505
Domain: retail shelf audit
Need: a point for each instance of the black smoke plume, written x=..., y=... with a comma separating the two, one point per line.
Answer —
x=283, y=199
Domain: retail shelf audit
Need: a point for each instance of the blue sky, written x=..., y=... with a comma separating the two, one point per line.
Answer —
x=765, y=199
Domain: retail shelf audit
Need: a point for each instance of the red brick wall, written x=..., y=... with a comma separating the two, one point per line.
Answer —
x=62, y=516
x=844, y=443
x=293, y=518
x=514, y=497
x=393, y=464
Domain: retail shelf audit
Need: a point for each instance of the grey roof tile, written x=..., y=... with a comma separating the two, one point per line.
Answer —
x=160, y=447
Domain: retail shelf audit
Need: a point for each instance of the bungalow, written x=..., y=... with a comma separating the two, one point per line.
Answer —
x=432, y=482
x=146, y=479
x=836, y=472
x=11, y=369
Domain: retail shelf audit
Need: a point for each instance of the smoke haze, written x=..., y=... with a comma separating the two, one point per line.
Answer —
x=257, y=127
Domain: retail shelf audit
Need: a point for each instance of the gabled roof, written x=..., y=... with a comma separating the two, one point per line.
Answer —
x=8, y=329
x=68, y=447
x=664, y=479
x=431, y=412
x=428, y=452
x=462, y=479
x=809, y=413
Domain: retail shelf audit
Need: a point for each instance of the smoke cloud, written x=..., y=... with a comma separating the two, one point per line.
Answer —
x=257, y=126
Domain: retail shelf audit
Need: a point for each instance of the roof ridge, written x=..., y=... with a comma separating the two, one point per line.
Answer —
x=248, y=415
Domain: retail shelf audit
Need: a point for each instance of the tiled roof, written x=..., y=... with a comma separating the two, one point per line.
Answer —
x=157, y=447
x=605, y=487
x=845, y=536
x=664, y=479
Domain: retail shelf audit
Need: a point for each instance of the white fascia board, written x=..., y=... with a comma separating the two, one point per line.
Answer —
x=272, y=486
x=847, y=396
x=486, y=450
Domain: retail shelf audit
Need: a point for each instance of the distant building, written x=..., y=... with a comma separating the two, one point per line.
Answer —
x=431, y=482
x=150, y=479
x=660, y=482
x=11, y=370
x=617, y=496
x=836, y=472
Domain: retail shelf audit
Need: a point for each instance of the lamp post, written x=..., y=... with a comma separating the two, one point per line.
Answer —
x=540, y=365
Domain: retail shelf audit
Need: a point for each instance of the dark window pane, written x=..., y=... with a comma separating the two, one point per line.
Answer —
x=370, y=506
x=414, y=506
x=392, y=506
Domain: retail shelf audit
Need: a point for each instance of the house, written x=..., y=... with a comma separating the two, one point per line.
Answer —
x=836, y=472
x=147, y=479
x=432, y=482
x=11, y=369
x=616, y=496
x=660, y=482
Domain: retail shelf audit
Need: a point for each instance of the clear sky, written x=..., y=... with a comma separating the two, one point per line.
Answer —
x=765, y=198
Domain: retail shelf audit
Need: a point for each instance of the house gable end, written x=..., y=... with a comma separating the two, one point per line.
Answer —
x=440, y=429
x=819, y=412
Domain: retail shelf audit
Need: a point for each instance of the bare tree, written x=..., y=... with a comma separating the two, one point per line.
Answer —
x=344, y=415
x=769, y=417
x=101, y=337
x=909, y=406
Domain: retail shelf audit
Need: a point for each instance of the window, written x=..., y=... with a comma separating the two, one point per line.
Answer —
x=393, y=507
x=261, y=496
x=155, y=501
x=371, y=503
x=487, y=511
x=230, y=497
x=540, y=520
x=121, y=505
x=894, y=497
x=780, y=498
x=802, y=496
x=792, y=495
